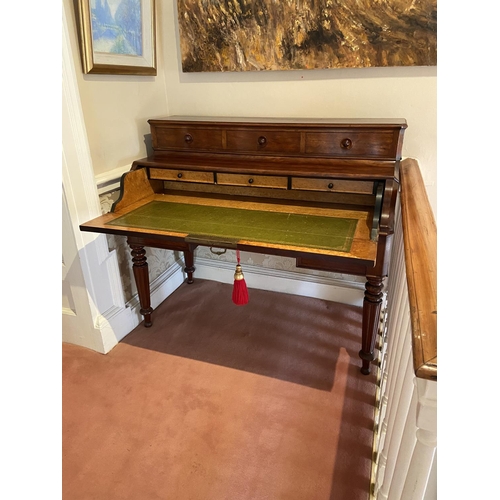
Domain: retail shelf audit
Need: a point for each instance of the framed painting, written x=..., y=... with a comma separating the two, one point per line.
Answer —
x=258, y=35
x=118, y=37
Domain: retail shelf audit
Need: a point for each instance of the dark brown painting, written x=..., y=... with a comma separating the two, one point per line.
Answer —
x=256, y=35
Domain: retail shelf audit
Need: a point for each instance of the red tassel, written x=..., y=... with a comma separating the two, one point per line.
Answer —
x=240, y=291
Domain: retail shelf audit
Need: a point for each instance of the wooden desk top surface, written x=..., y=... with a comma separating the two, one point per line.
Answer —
x=261, y=223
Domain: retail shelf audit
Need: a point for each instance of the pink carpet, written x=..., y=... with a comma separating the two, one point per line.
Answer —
x=220, y=402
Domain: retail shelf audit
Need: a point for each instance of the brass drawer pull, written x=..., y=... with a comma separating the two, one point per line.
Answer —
x=346, y=143
x=262, y=140
x=250, y=181
x=188, y=138
x=213, y=242
x=218, y=252
x=179, y=175
x=330, y=186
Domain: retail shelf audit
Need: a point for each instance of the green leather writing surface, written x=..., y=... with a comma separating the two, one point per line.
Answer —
x=234, y=224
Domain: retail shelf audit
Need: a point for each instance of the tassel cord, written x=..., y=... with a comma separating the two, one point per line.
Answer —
x=240, y=291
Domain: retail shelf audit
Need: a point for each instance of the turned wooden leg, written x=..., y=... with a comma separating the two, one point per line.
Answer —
x=189, y=261
x=141, y=275
x=371, y=316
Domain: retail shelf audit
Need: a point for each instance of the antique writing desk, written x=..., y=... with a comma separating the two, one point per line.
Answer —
x=321, y=191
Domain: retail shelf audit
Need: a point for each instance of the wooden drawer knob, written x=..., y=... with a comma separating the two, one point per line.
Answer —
x=188, y=138
x=346, y=143
x=262, y=140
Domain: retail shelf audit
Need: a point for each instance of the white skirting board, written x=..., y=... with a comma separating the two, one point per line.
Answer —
x=276, y=280
x=117, y=323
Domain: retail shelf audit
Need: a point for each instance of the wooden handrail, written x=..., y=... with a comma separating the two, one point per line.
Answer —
x=420, y=247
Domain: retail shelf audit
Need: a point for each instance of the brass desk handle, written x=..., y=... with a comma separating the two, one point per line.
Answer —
x=262, y=140
x=208, y=241
x=220, y=252
x=188, y=138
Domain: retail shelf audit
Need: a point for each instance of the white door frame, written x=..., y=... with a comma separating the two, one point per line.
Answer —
x=106, y=319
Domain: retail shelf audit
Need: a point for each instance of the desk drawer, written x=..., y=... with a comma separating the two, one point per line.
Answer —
x=250, y=180
x=181, y=175
x=263, y=141
x=333, y=185
x=353, y=143
x=186, y=138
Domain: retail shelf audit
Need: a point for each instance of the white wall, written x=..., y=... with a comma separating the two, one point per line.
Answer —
x=338, y=93
x=116, y=108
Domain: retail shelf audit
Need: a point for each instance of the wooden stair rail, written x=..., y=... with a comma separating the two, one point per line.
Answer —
x=420, y=247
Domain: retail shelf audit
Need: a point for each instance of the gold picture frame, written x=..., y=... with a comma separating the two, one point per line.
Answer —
x=118, y=37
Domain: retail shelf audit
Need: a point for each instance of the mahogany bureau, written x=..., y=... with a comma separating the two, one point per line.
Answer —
x=318, y=190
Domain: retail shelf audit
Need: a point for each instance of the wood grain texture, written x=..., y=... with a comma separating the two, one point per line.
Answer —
x=135, y=186
x=268, y=181
x=332, y=185
x=420, y=243
x=327, y=138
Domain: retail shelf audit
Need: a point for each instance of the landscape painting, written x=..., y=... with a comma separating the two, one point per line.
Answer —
x=118, y=36
x=117, y=26
x=258, y=35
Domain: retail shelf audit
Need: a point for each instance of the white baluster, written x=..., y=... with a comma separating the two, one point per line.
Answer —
x=425, y=447
x=398, y=308
x=398, y=410
x=405, y=440
x=406, y=445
